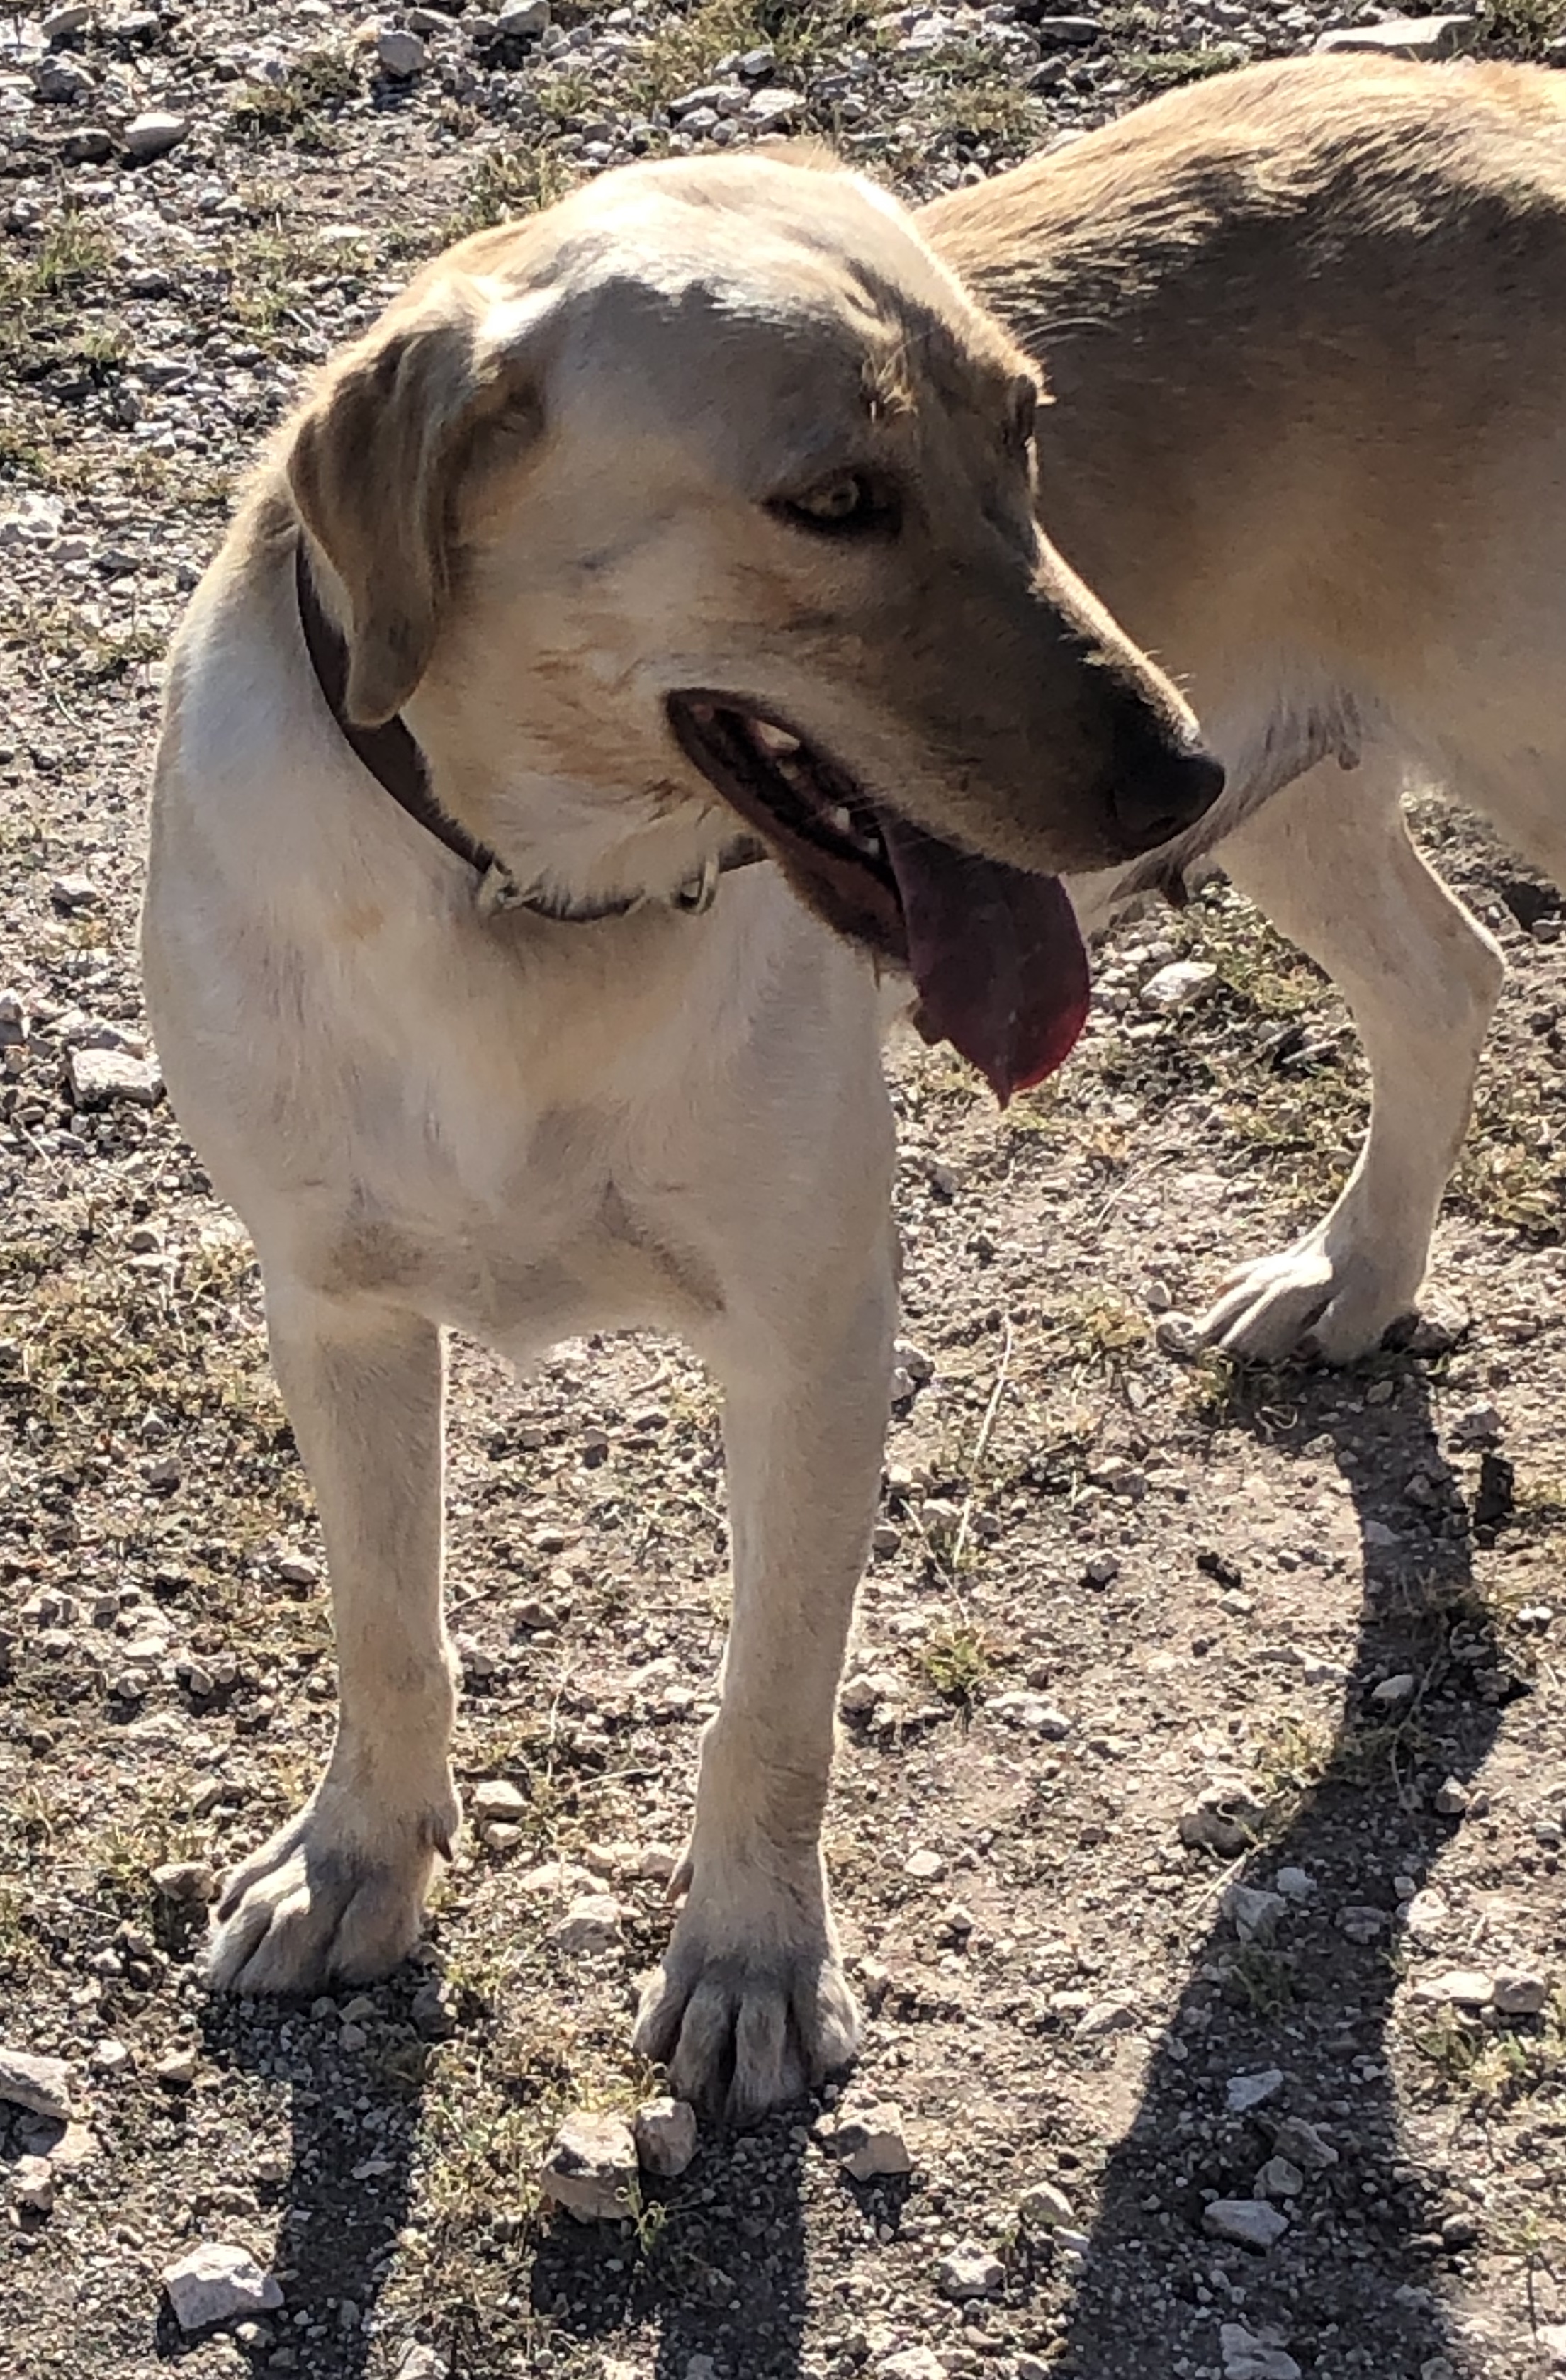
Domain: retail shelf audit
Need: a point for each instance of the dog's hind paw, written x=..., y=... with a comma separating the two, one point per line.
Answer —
x=330, y=1898
x=1312, y=1299
x=744, y=2021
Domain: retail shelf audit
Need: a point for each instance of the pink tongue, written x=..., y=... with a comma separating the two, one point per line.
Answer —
x=997, y=956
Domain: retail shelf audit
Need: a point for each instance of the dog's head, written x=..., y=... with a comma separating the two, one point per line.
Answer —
x=711, y=480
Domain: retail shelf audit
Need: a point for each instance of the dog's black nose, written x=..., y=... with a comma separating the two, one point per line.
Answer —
x=1157, y=787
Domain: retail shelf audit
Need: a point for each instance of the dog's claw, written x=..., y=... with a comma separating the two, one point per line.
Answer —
x=1325, y=1296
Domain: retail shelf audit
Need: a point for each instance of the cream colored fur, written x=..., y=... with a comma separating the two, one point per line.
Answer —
x=1306, y=330
x=538, y=496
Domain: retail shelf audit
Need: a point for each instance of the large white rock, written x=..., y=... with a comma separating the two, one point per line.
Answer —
x=215, y=2283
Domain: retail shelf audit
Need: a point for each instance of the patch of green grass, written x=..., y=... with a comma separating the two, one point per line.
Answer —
x=1163, y=70
x=511, y=182
x=297, y=109
x=974, y=100
x=1511, y=1170
x=685, y=50
x=956, y=1659
x=1101, y=1328
x=1260, y=1981
x=1495, y=2063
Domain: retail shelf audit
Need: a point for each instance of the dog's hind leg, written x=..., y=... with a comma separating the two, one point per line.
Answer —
x=339, y=1891
x=1331, y=862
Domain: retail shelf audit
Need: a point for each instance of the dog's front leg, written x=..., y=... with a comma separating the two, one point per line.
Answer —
x=750, y=2006
x=339, y=1891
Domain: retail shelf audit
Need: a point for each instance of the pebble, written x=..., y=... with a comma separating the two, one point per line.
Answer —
x=106, y=1077
x=13, y=1021
x=1225, y=1817
x=1249, y=2222
x=1245, y=2091
x=1392, y=1691
x=1176, y=986
x=215, y=2283
x=1427, y=1914
x=522, y=19
x=1253, y=1913
x=772, y=108
x=912, y=2364
x=1451, y=1800
x=970, y=2271
x=1279, y=2179
x=61, y=23
x=1247, y=2357
x=176, y=2068
x=1405, y=37
x=1033, y=1712
x=497, y=1799
x=32, y=2185
x=591, y=2169
x=590, y=1926
x=41, y=2086
x=401, y=55
x=1044, y=2208
x=666, y=2137
x=1460, y=1988
x=925, y=1866
x=1106, y=2016
x=1363, y=1924
x=868, y=2140
x=1303, y=2145
x=1519, y=1994
x=1179, y=1335
x=155, y=135
x=110, y=2057
x=1295, y=1883
x=421, y=2363
x=186, y=1880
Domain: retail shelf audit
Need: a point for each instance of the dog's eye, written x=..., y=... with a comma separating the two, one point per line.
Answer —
x=841, y=506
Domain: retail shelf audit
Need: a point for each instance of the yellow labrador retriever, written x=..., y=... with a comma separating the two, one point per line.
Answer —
x=1305, y=329
x=641, y=637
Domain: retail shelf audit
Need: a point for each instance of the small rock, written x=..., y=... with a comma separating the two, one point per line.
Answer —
x=61, y=23
x=1225, y=1817
x=1392, y=1691
x=421, y=2363
x=1295, y=1883
x=1480, y=1425
x=110, y=2057
x=1254, y=1914
x=1044, y=2208
x=1303, y=2145
x=1460, y=1988
x=13, y=1021
x=1427, y=1914
x=1451, y=1800
x=177, y=2070
x=1178, y=1335
x=1106, y=2016
x=186, y=1880
x=1245, y=2091
x=41, y=2086
x=1517, y=1993
x=215, y=2283
x=401, y=55
x=925, y=1866
x=430, y=2011
x=590, y=1926
x=1279, y=2179
x=155, y=135
x=1247, y=2357
x=1362, y=1924
x=769, y=109
x=912, y=2364
x=73, y=892
x=1071, y=32
x=1459, y=2231
x=102, y=1078
x=591, y=2169
x=1177, y=986
x=666, y=2137
x=1033, y=1712
x=519, y=20
x=1250, y=2222
x=869, y=2140
x=970, y=2272
x=32, y=2185
x=1405, y=37
x=497, y=1799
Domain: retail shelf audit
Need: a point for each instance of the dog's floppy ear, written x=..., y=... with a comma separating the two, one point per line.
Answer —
x=375, y=465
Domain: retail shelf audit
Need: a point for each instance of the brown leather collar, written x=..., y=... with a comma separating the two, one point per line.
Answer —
x=395, y=762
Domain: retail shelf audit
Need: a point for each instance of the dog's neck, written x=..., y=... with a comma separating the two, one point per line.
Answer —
x=393, y=759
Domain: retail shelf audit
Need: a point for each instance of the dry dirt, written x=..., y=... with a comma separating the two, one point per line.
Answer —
x=1107, y=1580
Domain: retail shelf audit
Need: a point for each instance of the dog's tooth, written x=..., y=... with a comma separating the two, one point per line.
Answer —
x=841, y=818
x=774, y=740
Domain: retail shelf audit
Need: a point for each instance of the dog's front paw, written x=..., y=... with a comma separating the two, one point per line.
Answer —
x=337, y=1895
x=751, y=2007
x=1324, y=1296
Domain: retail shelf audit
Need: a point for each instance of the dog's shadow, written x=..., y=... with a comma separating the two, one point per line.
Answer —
x=1362, y=2259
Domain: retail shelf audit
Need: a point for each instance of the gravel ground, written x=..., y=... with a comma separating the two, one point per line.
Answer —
x=1198, y=1825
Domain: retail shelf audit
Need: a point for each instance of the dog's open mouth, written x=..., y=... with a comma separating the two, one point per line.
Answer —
x=996, y=955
